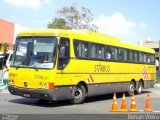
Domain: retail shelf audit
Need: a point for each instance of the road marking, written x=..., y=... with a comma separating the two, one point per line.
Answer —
x=156, y=111
x=141, y=110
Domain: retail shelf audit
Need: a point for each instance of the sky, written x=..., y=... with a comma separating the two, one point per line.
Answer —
x=129, y=20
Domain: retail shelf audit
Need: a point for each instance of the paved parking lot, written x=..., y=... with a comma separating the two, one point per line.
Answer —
x=94, y=108
x=93, y=105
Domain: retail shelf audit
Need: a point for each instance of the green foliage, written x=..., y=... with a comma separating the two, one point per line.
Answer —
x=58, y=23
x=72, y=18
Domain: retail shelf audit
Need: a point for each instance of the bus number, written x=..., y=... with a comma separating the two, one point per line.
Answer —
x=102, y=68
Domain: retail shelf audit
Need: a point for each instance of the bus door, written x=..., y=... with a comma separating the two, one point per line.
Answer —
x=63, y=60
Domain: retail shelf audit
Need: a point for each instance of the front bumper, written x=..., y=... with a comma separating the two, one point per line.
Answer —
x=58, y=93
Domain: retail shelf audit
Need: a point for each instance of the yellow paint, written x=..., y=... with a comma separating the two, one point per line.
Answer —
x=80, y=70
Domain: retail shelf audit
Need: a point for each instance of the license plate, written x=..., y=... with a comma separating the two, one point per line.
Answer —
x=27, y=95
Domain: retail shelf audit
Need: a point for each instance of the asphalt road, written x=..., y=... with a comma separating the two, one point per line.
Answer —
x=93, y=105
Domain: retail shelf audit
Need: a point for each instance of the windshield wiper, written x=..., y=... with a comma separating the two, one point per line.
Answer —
x=24, y=60
x=35, y=68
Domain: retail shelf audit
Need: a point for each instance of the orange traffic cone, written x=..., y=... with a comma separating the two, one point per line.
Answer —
x=114, y=105
x=123, y=105
x=148, y=104
x=133, y=105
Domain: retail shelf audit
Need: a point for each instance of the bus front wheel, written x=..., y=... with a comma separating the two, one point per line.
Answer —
x=131, y=88
x=79, y=94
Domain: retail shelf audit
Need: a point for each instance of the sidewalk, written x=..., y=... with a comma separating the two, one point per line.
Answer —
x=157, y=86
x=4, y=91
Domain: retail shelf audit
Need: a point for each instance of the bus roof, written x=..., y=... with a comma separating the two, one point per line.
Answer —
x=85, y=35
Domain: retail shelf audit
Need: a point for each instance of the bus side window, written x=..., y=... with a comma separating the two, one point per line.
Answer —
x=81, y=49
x=108, y=53
x=84, y=50
x=144, y=58
x=135, y=56
x=151, y=59
x=140, y=57
x=78, y=50
x=100, y=51
x=148, y=59
x=64, y=53
x=96, y=51
x=93, y=50
x=114, y=52
x=122, y=54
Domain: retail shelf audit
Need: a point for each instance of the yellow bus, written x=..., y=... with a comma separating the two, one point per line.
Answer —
x=75, y=64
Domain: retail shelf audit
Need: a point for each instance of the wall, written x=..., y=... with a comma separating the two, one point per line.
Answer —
x=6, y=32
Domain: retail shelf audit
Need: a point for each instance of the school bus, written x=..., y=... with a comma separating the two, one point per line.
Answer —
x=74, y=64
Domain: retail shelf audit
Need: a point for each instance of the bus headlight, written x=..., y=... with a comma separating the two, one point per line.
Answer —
x=45, y=85
x=41, y=85
x=11, y=82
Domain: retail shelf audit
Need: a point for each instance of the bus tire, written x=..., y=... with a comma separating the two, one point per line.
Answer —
x=79, y=94
x=140, y=87
x=131, y=88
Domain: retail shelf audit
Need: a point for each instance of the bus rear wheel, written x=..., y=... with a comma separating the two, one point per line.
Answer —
x=131, y=88
x=79, y=94
x=140, y=87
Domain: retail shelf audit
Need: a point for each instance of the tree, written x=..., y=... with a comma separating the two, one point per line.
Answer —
x=58, y=23
x=72, y=18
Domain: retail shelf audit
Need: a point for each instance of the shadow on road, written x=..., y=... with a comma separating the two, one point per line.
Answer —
x=40, y=103
x=110, y=96
x=43, y=103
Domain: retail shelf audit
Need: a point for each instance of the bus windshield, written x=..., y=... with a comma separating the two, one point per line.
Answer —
x=35, y=52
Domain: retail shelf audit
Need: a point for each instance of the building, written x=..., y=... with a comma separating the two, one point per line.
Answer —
x=6, y=34
x=6, y=31
x=154, y=45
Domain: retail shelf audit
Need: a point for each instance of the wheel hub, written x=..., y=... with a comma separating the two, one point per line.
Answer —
x=140, y=89
x=132, y=87
x=78, y=94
